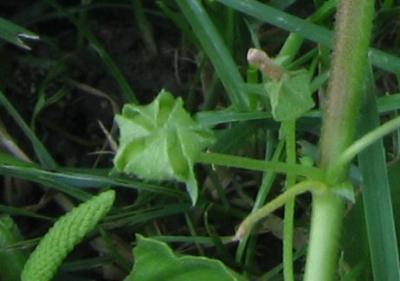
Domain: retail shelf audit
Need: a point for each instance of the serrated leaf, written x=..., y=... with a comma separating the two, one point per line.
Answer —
x=290, y=97
x=160, y=141
x=155, y=261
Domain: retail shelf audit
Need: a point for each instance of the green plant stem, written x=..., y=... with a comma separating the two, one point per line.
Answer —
x=300, y=188
x=266, y=184
x=326, y=221
x=353, y=31
x=289, y=50
x=260, y=165
x=289, y=130
x=252, y=78
x=294, y=41
x=365, y=141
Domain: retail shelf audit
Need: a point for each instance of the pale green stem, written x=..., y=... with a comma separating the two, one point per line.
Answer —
x=260, y=165
x=302, y=187
x=289, y=130
x=359, y=145
x=353, y=31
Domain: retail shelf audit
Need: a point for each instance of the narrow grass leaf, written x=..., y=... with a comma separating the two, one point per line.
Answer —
x=216, y=50
x=282, y=20
x=73, y=182
x=377, y=198
x=16, y=34
x=14, y=211
x=119, y=77
x=179, y=21
x=310, y=31
x=40, y=150
x=140, y=217
x=145, y=27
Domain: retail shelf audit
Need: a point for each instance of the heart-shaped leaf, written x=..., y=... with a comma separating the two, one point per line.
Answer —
x=155, y=261
x=290, y=96
x=161, y=141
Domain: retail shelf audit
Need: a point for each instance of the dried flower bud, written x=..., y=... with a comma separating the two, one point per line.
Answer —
x=260, y=59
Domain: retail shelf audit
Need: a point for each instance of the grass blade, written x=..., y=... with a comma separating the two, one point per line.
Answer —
x=282, y=20
x=377, y=198
x=308, y=30
x=15, y=34
x=41, y=152
x=73, y=180
x=216, y=50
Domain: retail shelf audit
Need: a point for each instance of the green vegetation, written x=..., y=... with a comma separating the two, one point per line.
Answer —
x=226, y=140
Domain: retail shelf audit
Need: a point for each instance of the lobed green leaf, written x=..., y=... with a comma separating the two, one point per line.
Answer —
x=160, y=141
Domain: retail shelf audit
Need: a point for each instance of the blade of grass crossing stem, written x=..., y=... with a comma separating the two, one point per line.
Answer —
x=377, y=198
x=73, y=182
x=293, y=43
x=216, y=50
x=282, y=20
x=41, y=152
x=25, y=172
x=308, y=30
x=147, y=216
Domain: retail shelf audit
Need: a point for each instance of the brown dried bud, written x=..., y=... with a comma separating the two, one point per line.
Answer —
x=264, y=63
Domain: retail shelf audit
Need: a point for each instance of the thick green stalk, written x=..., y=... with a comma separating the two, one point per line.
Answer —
x=353, y=29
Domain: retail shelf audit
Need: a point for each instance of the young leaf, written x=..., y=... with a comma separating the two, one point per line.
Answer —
x=64, y=235
x=160, y=141
x=290, y=96
x=156, y=261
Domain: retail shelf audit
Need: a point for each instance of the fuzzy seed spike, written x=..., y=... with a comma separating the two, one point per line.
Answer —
x=65, y=234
